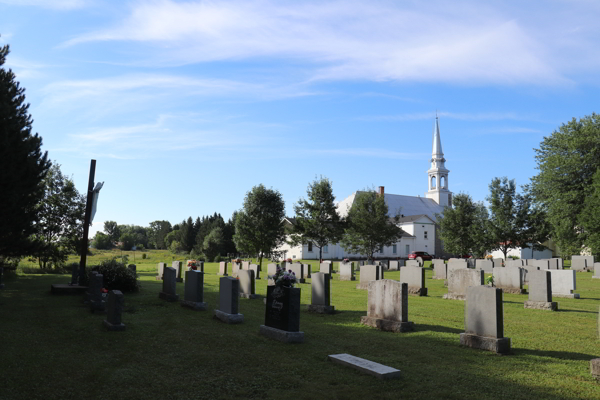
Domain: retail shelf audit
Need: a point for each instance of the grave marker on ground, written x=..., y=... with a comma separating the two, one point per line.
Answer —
x=194, y=290
x=509, y=279
x=271, y=270
x=235, y=267
x=440, y=269
x=321, y=294
x=484, y=325
x=564, y=283
x=347, y=271
x=414, y=277
x=486, y=265
x=116, y=303
x=596, y=271
x=282, y=315
x=372, y=368
x=256, y=269
x=582, y=263
x=326, y=268
x=388, y=306
x=223, y=268
x=229, y=289
x=169, y=289
x=97, y=302
x=161, y=270
x=369, y=273
x=540, y=291
x=412, y=263
x=247, y=284
x=178, y=267
x=459, y=280
x=298, y=270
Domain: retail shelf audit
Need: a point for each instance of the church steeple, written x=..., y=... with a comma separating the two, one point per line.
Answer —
x=438, y=174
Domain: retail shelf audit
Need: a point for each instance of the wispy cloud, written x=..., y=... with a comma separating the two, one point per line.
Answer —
x=429, y=42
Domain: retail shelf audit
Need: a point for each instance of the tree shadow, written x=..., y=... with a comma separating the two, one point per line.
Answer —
x=579, y=311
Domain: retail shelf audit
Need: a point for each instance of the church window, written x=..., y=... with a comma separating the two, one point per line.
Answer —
x=407, y=249
x=394, y=249
x=425, y=235
x=326, y=249
x=443, y=182
x=310, y=247
x=381, y=249
x=433, y=182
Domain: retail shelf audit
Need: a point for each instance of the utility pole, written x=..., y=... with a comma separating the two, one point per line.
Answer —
x=86, y=222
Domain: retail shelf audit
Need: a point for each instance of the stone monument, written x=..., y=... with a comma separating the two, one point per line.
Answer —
x=193, y=296
x=169, y=289
x=116, y=302
x=282, y=315
x=247, y=284
x=540, y=291
x=369, y=273
x=229, y=289
x=460, y=279
x=321, y=294
x=388, y=306
x=414, y=277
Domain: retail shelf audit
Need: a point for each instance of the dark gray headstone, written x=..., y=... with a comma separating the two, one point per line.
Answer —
x=74, y=275
x=97, y=302
x=283, y=308
x=194, y=286
x=132, y=267
x=229, y=289
x=321, y=289
x=116, y=303
x=247, y=283
x=169, y=289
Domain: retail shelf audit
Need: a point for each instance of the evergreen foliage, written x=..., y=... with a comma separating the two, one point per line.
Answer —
x=317, y=220
x=369, y=227
x=23, y=167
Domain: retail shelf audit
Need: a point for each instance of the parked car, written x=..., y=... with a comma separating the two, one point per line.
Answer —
x=420, y=256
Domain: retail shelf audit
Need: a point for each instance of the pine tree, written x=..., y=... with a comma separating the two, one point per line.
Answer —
x=23, y=166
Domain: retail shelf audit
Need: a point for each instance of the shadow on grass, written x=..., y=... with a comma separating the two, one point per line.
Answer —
x=579, y=311
x=562, y=355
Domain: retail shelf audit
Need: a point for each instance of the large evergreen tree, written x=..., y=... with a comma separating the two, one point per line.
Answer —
x=23, y=167
x=317, y=220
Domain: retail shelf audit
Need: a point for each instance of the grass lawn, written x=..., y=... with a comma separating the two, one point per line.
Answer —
x=53, y=347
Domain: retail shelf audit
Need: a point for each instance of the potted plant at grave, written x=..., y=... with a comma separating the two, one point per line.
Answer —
x=346, y=260
x=283, y=302
x=283, y=278
x=289, y=260
x=192, y=264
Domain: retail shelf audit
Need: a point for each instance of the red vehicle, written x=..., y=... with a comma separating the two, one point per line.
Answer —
x=422, y=255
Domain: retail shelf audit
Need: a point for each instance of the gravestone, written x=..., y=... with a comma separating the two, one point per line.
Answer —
x=564, y=283
x=486, y=265
x=457, y=263
x=298, y=270
x=178, y=267
x=307, y=271
x=540, y=291
x=74, y=275
x=414, y=277
x=222, y=268
x=88, y=293
x=412, y=263
x=582, y=263
x=394, y=265
x=282, y=315
x=369, y=273
x=513, y=263
x=200, y=266
x=169, y=289
x=509, y=279
x=321, y=294
x=526, y=270
x=326, y=268
x=116, y=303
x=256, y=269
x=245, y=264
x=596, y=271
x=498, y=262
x=347, y=271
x=372, y=368
x=439, y=269
x=560, y=263
x=484, y=325
x=595, y=368
x=247, y=284
x=388, y=306
x=459, y=280
x=161, y=270
x=97, y=302
x=541, y=264
x=235, y=267
x=229, y=293
x=271, y=271
x=193, y=295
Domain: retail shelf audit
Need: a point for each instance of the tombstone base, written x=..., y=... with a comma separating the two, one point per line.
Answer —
x=369, y=367
x=450, y=296
x=363, y=286
x=158, y=278
x=595, y=368
x=387, y=324
x=302, y=280
x=513, y=290
x=179, y=280
x=112, y=327
x=435, y=277
x=197, y=306
x=249, y=296
x=168, y=297
x=229, y=318
x=98, y=307
x=281, y=335
x=417, y=291
x=222, y=275
x=542, y=305
x=347, y=278
x=593, y=277
x=65, y=288
x=321, y=309
x=566, y=296
x=497, y=345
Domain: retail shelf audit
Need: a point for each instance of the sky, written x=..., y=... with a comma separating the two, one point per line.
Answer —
x=186, y=105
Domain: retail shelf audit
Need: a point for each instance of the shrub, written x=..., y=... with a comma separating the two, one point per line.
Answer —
x=116, y=276
x=143, y=256
x=217, y=258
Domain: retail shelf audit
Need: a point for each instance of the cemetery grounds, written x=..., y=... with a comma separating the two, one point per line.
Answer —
x=53, y=348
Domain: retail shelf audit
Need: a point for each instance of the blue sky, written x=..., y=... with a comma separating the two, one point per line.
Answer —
x=186, y=105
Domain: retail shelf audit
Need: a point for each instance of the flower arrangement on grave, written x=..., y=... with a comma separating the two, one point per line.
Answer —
x=346, y=260
x=289, y=260
x=192, y=264
x=489, y=256
x=283, y=278
x=237, y=260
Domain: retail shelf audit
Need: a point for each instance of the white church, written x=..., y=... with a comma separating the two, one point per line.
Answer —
x=417, y=216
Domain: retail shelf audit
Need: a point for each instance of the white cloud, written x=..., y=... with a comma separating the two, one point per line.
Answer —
x=434, y=42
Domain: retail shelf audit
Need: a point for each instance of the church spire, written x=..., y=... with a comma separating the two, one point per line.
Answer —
x=438, y=174
x=437, y=142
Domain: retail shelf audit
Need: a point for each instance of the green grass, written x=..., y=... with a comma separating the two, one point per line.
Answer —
x=53, y=347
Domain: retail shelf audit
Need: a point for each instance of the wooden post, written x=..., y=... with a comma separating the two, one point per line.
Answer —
x=86, y=222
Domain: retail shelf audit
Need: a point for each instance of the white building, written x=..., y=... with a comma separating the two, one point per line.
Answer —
x=417, y=215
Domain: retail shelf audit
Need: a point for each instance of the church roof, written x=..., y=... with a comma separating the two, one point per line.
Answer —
x=408, y=206
x=413, y=218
